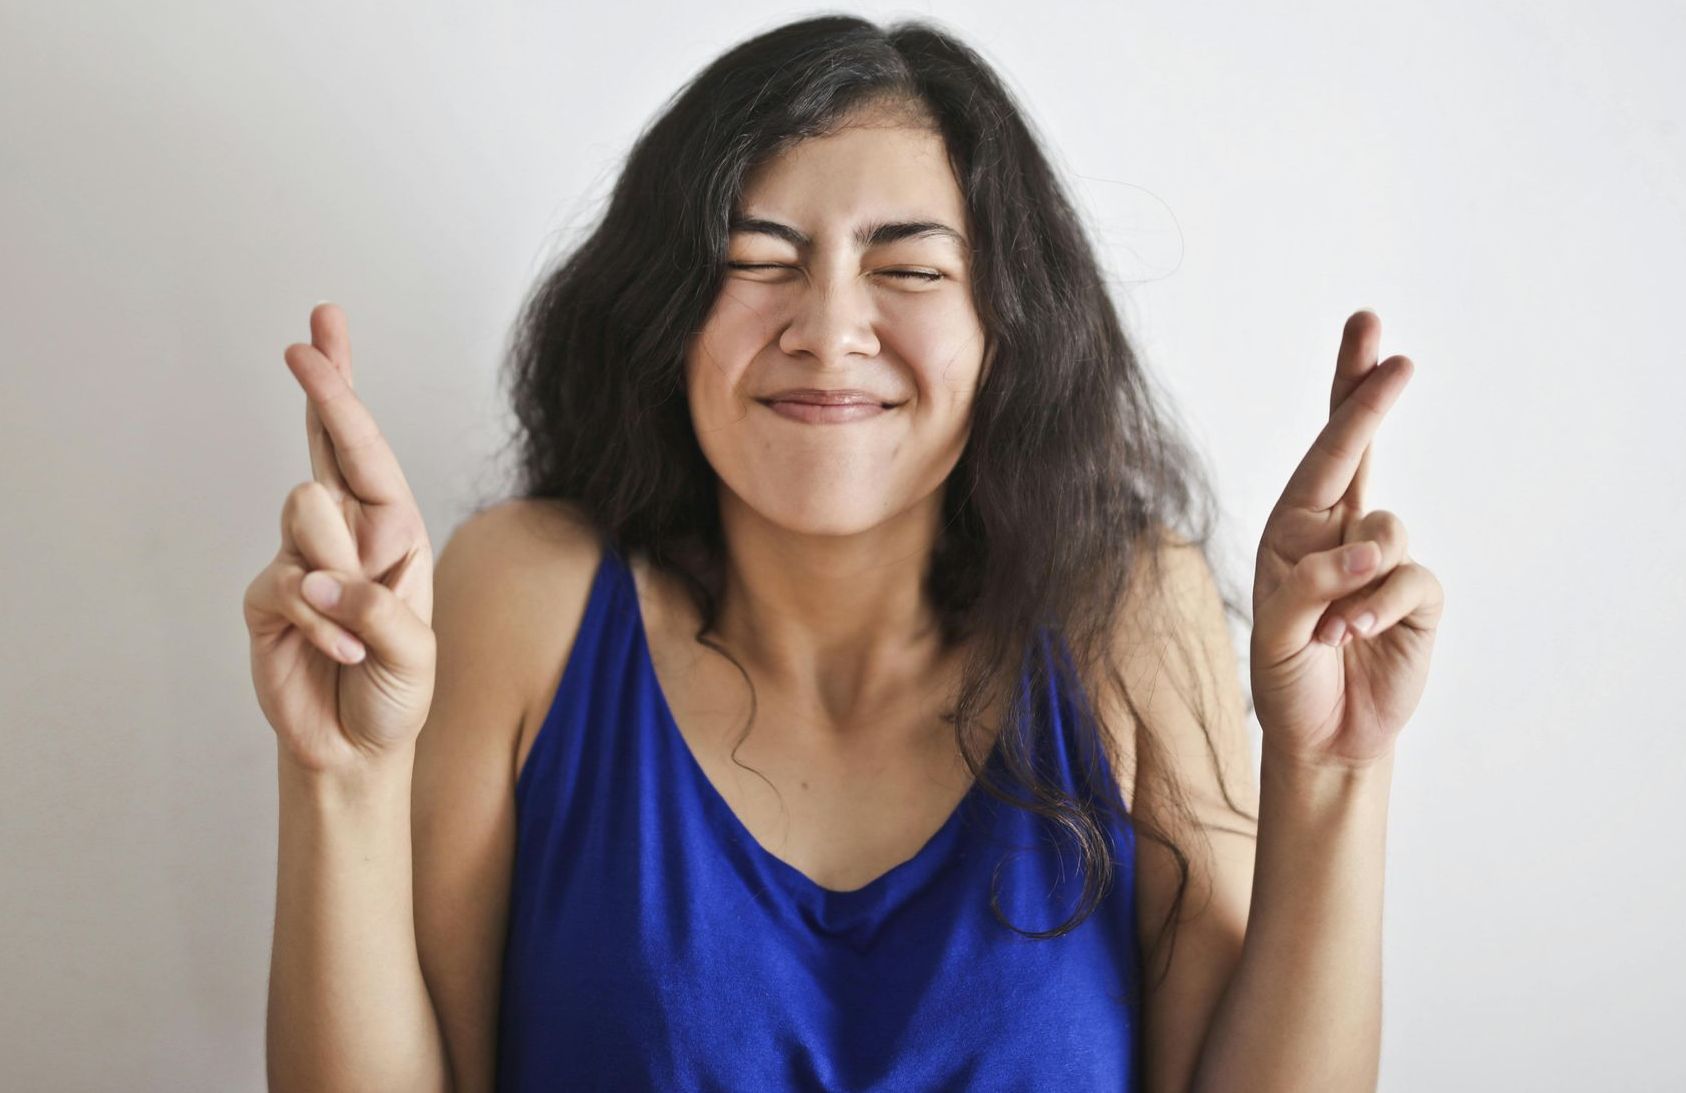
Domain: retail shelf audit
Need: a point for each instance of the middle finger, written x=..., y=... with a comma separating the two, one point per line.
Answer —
x=1360, y=345
x=357, y=448
x=1326, y=473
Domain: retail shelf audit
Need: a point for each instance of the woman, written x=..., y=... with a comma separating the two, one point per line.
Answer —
x=794, y=726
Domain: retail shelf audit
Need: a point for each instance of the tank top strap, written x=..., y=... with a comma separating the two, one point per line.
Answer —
x=587, y=699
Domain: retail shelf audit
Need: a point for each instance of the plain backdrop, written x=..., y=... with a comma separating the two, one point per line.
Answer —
x=1503, y=183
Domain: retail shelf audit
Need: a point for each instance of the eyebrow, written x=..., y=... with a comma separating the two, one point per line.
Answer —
x=867, y=235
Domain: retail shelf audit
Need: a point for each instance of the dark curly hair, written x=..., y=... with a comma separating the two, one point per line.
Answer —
x=1071, y=473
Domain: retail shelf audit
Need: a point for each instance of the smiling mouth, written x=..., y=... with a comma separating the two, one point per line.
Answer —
x=824, y=413
x=820, y=402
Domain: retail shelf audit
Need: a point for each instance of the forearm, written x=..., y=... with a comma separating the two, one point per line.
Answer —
x=1302, y=1011
x=348, y=1007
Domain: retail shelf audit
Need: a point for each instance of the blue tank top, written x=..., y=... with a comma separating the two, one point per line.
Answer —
x=654, y=944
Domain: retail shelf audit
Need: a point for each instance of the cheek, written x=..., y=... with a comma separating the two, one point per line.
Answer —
x=734, y=333
x=710, y=378
x=743, y=314
x=730, y=338
x=943, y=344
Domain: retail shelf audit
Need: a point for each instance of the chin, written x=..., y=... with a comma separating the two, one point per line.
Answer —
x=823, y=514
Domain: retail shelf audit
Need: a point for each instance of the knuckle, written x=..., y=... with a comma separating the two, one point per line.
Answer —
x=1389, y=526
x=302, y=500
x=299, y=496
x=254, y=600
x=266, y=589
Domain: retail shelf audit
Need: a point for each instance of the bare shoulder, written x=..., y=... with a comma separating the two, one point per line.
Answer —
x=527, y=564
x=526, y=531
x=1178, y=660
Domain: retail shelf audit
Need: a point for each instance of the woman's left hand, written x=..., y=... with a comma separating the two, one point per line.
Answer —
x=1341, y=705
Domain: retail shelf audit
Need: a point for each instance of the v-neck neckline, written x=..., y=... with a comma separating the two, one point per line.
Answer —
x=924, y=861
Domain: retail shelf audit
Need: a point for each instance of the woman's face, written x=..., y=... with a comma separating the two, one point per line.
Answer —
x=842, y=299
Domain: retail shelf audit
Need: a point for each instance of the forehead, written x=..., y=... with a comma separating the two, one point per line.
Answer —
x=869, y=171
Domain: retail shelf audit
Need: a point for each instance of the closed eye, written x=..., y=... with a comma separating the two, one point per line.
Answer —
x=915, y=274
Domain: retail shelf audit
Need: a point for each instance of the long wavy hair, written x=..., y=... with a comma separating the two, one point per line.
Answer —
x=1071, y=474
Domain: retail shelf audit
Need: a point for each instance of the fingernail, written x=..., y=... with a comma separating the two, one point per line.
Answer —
x=321, y=590
x=1332, y=631
x=351, y=649
x=1363, y=622
x=1360, y=558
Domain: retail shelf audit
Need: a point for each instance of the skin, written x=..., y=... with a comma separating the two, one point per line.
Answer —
x=829, y=526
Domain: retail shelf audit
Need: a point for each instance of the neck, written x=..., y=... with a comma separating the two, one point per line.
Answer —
x=838, y=622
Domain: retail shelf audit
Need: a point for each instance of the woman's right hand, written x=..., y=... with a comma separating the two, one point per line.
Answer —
x=356, y=522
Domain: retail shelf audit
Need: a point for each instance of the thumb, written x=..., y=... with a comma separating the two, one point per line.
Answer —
x=375, y=615
x=1288, y=622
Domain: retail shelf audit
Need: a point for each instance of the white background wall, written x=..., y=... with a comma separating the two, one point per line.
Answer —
x=1503, y=183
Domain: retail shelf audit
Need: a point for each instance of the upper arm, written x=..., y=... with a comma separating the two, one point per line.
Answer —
x=1182, y=672
x=489, y=604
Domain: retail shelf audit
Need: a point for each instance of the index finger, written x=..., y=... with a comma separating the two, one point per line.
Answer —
x=371, y=472
x=327, y=333
x=1326, y=473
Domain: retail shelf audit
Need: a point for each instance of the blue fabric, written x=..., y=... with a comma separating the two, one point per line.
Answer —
x=654, y=944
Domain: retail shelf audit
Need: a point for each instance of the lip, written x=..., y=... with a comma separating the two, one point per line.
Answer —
x=835, y=396
x=822, y=413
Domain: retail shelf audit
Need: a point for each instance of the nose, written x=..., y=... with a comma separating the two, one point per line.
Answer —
x=833, y=319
